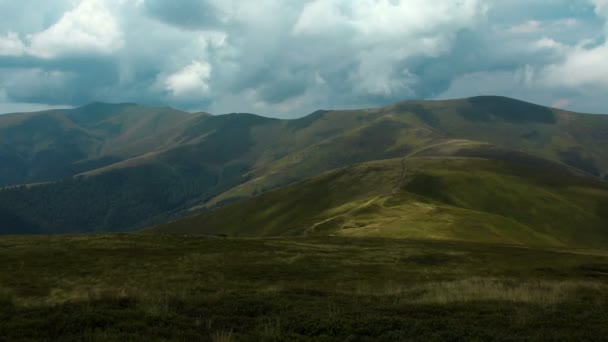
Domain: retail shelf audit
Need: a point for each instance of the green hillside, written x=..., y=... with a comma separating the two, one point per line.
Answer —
x=491, y=195
x=123, y=167
x=404, y=128
x=56, y=144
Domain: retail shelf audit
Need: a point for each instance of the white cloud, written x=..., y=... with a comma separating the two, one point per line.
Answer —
x=601, y=7
x=88, y=28
x=376, y=77
x=190, y=82
x=380, y=35
x=321, y=17
x=547, y=43
x=11, y=45
x=387, y=19
x=581, y=67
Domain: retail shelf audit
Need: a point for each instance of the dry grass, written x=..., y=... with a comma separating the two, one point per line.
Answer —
x=223, y=336
x=479, y=289
x=507, y=290
x=87, y=294
x=104, y=288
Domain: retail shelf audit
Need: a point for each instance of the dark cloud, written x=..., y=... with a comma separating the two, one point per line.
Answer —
x=189, y=14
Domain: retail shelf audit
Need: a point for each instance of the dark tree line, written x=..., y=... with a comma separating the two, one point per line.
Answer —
x=117, y=201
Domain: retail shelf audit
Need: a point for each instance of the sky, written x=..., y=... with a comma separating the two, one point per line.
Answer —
x=287, y=58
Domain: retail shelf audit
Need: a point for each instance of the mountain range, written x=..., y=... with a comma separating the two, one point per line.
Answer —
x=477, y=169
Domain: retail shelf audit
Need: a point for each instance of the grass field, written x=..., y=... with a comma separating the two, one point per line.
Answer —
x=177, y=288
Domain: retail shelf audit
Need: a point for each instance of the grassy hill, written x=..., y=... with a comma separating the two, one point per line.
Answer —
x=136, y=166
x=473, y=192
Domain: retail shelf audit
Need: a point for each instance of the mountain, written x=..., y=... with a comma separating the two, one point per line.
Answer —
x=462, y=190
x=51, y=145
x=123, y=167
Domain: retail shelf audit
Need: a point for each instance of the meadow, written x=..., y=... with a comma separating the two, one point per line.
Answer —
x=131, y=287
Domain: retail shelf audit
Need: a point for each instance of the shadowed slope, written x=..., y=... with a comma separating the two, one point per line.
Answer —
x=51, y=145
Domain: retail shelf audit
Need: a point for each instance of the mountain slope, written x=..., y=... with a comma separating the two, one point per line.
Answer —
x=137, y=166
x=492, y=195
x=51, y=145
x=404, y=128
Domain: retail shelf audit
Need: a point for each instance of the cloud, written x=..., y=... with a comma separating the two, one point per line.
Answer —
x=287, y=58
x=547, y=43
x=583, y=65
x=530, y=26
x=385, y=19
x=601, y=7
x=191, y=81
x=88, y=28
x=11, y=45
x=580, y=68
x=7, y=106
x=381, y=35
x=36, y=85
x=187, y=14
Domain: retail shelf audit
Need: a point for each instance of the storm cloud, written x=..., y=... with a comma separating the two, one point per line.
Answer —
x=288, y=58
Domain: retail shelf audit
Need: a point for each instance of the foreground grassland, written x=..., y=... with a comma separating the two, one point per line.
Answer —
x=139, y=287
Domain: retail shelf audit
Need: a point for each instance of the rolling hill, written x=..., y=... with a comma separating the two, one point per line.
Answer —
x=462, y=191
x=122, y=167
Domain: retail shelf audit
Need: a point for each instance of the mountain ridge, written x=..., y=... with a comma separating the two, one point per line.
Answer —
x=475, y=196
x=170, y=163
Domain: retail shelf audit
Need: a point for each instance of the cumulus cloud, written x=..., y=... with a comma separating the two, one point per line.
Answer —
x=584, y=64
x=191, y=81
x=88, y=28
x=580, y=68
x=287, y=58
x=380, y=35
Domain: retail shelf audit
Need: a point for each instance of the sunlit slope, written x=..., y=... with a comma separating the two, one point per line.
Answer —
x=402, y=129
x=504, y=199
